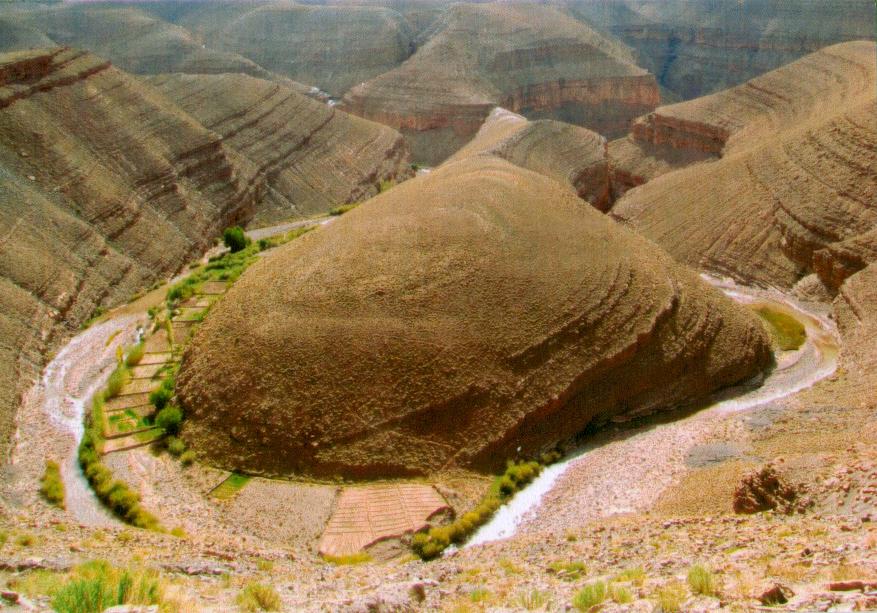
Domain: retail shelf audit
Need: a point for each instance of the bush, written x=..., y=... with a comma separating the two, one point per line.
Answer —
x=96, y=586
x=117, y=381
x=259, y=597
x=51, y=484
x=160, y=397
x=701, y=581
x=175, y=446
x=135, y=354
x=620, y=594
x=169, y=419
x=340, y=210
x=589, y=596
x=235, y=239
x=188, y=458
x=671, y=597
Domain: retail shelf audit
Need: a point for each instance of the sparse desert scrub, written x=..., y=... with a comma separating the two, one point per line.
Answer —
x=531, y=600
x=620, y=594
x=51, y=484
x=118, y=380
x=135, y=354
x=670, y=597
x=635, y=575
x=589, y=596
x=235, y=239
x=258, y=597
x=701, y=581
x=360, y=557
x=568, y=571
x=344, y=208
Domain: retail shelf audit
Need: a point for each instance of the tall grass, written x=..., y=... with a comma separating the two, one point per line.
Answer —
x=258, y=597
x=96, y=586
x=51, y=484
x=135, y=354
x=589, y=596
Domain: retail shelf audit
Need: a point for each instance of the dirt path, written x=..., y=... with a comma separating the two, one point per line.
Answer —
x=626, y=471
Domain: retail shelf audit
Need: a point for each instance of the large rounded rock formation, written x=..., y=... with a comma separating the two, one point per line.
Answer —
x=476, y=313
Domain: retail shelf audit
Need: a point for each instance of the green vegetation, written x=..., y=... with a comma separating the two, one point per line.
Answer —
x=479, y=594
x=187, y=458
x=117, y=381
x=235, y=239
x=175, y=446
x=589, y=596
x=620, y=594
x=114, y=494
x=701, y=581
x=282, y=239
x=360, y=557
x=230, y=487
x=635, y=575
x=135, y=354
x=161, y=396
x=344, y=208
x=429, y=545
x=786, y=332
x=51, y=484
x=386, y=185
x=532, y=600
x=93, y=587
x=169, y=419
x=259, y=597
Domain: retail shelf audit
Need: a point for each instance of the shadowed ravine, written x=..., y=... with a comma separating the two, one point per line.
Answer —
x=629, y=472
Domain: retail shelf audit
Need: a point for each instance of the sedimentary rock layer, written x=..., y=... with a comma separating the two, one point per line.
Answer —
x=697, y=47
x=795, y=190
x=130, y=38
x=312, y=156
x=564, y=152
x=106, y=187
x=331, y=47
x=467, y=316
x=529, y=59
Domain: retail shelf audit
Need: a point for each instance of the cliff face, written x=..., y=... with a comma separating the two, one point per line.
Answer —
x=106, y=187
x=528, y=59
x=130, y=38
x=697, y=47
x=312, y=157
x=485, y=312
x=794, y=191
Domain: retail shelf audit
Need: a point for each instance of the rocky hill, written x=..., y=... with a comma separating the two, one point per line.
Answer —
x=794, y=190
x=107, y=187
x=529, y=59
x=698, y=47
x=128, y=36
x=311, y=156
x=561, y=151
x=333, y=48
x=433, y=326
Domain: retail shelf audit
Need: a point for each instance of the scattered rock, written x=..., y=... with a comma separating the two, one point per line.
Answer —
x=776, y=594
x=765, y=490
x=132, y=608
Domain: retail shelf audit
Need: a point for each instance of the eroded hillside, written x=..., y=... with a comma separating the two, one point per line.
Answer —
x=107, y=187
x=528, y=59
x=455, y=320
x=794, y=190
x=311, y=156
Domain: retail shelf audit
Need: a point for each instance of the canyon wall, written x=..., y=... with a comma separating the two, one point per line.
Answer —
x=107, y=188
x=529, y=59
x=312, y=157
x=697, y=47
x=794, y=191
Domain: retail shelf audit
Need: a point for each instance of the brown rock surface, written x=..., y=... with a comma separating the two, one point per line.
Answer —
x=561, y=151
x=766, y=490
x=106, y=187
x=312, y=156
x=795, y=189
x=526, y=58
x=461, y=318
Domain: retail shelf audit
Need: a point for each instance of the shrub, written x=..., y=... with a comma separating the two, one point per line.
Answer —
x=51, y=484
x=671, y=597
x=352, y=559
x=701, y=581
x=175, y=446
x=169, y=420
x=117, y=381
x=620, y=594
x=159, y=398
x=258, y=597
x=96, y=586
x=340, y=210
x=589, y=596
x=135, y=354
x=532, y=600
x=188, y=458
x=569, y=571
x=636, y=575
x=235, y=239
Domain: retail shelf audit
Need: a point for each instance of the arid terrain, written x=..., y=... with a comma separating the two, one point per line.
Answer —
x=399, y=305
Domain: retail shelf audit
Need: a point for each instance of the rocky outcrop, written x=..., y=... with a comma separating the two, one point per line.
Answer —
x=766, y=490
x=794, y=191
x=473, y=314
x=106, y=187
x=529, y=59
x=131, y=38
x=312, y=157
x=697, y=47
x=564, y=152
